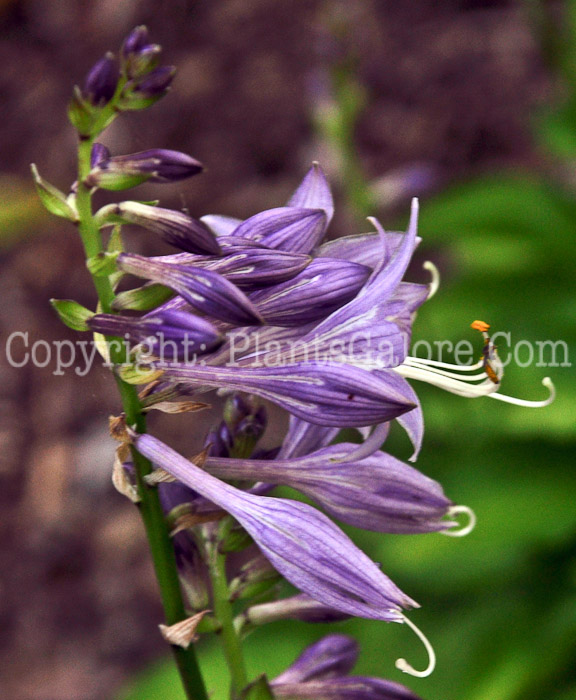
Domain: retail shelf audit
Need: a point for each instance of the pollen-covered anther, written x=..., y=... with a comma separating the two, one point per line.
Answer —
x=480, y=326
x=183, y=633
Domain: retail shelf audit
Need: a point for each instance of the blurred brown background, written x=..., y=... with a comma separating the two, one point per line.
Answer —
x=448, y=86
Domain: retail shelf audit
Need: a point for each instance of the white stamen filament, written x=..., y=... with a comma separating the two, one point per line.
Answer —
x=466, y=529
x=405, y=667
x=432, y=372
x=547, y=382
x=443, y=373
x=444, y=381
x=444, y=365
x=435, y=281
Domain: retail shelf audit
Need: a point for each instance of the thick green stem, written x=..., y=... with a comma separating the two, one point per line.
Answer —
x=159, y=541
x=223, y=611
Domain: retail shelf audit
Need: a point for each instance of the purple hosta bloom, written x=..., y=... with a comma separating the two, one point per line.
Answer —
x=286, y=228
x=101, y=81
x=301, y=543
x=204, y=290
x=248, y=266
x=378, y=493
x=175, y=227
x=155, y=165
x=321, y=288
x=327, y=394
x=169, y=334
x=320, y=673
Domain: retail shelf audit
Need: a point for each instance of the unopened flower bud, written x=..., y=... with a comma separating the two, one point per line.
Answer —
x=135, y=41
x=175, y=227
x=156, y=82
x=98, y=154
x=299, y=607
x=101, y=81
x=155, y=165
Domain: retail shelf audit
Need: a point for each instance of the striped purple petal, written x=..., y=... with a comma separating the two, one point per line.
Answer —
x=174, y=334
x=314, y=193
x=301, y=543
x=285, y=228
x=324, y=286
x=205, y=291
x=333, y=655
x=378, y=493
x=322, y=393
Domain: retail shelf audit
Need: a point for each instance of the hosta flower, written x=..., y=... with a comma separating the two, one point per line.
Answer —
x=321, y=673
x=301, y=543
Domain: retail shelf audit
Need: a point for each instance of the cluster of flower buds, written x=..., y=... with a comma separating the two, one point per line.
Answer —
x=134, y=82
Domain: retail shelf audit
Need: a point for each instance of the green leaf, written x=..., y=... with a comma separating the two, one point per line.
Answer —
x=52, y=198
x=72, y=314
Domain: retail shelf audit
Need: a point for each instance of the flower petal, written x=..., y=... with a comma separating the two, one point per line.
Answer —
x=314, y=193
x=326, y=394
x=285, y=228
x=204, y=290
x=301, y=543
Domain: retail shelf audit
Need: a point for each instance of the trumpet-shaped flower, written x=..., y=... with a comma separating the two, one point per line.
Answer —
x=301, y=543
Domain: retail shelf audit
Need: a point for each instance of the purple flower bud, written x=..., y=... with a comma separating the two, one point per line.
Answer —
x=168, y=334
x=286, y=228
x=204, y=290
x=101, y=81
x=143, y=61
x=217, y=448
x=319, y=673
x=301, y=543
x=98, y=154
x=175, y=227
x=345, y=688
x=155, y=165
x=251, y=267
x=333, y=655
x=324, y=286
x=135, y=41
x=156, y=82
x=300, y=607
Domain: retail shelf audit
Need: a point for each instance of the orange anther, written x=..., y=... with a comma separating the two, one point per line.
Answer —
x=480, y=326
